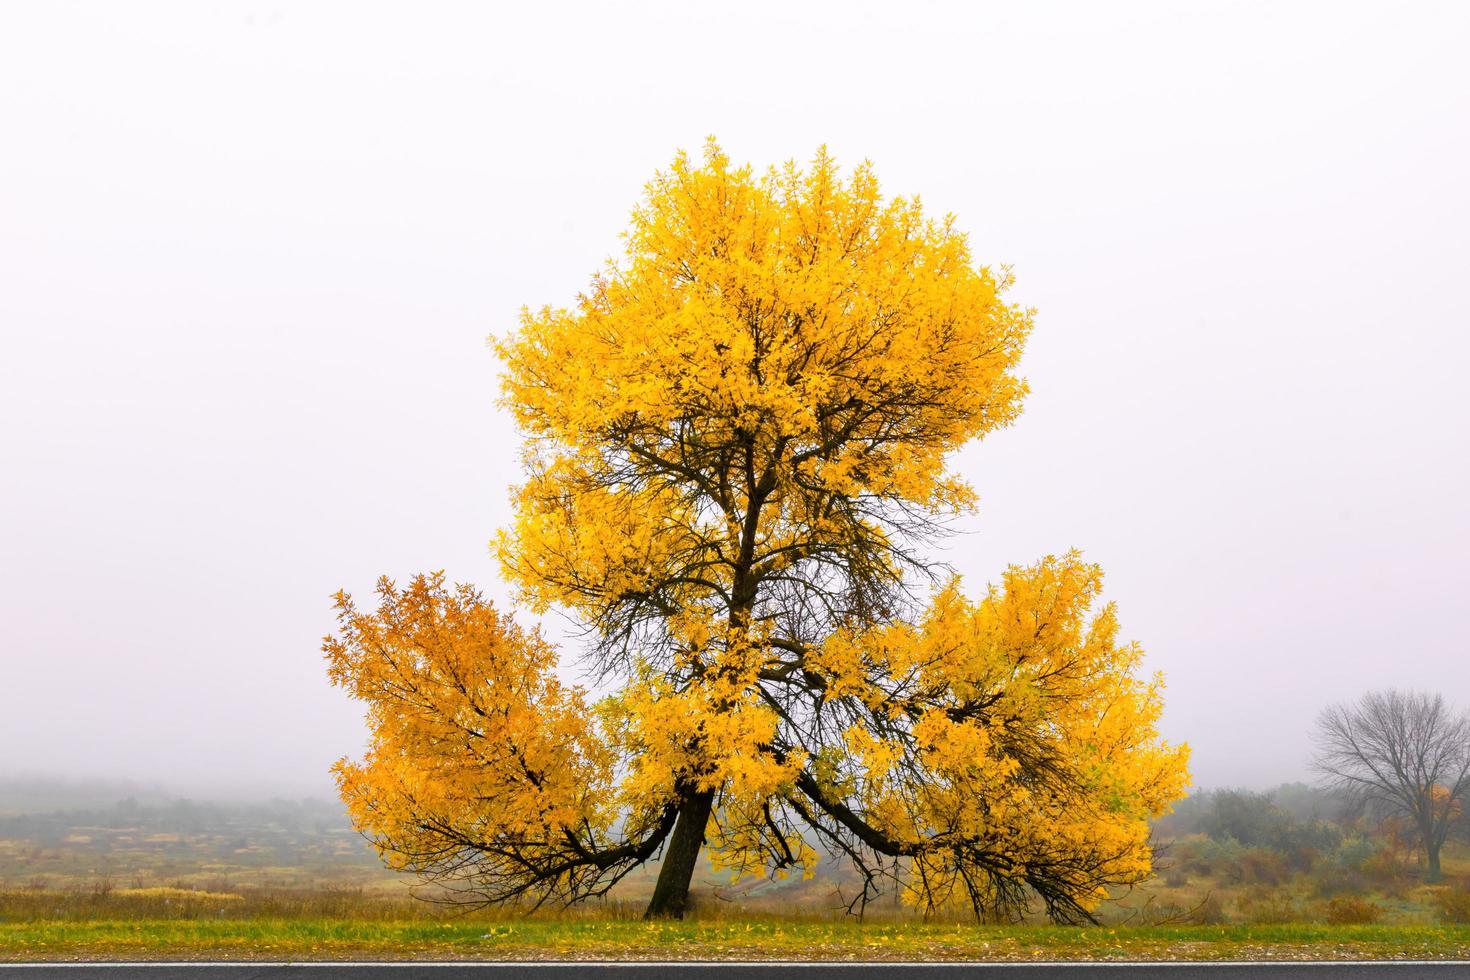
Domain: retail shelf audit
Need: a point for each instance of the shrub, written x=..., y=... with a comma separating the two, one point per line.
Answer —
x=1351, y=910
x=1244, y=816
x=1255, y=820
x=1385, y=864
x=1353, y=853
x=1210, y=858
x=1331, y=881
x=1153, y=913
x=1453, y=906
x=1210, y=912
x=1268, y=908
x=1263, y=866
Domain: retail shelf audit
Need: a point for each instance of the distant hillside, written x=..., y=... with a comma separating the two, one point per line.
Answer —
x=60, y=833
x=42, y=794
x=69, y=834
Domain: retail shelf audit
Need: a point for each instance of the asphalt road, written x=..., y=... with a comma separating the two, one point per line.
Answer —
x=735, y=971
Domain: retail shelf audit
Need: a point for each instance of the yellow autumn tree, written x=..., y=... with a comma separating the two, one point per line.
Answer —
x=735, y=455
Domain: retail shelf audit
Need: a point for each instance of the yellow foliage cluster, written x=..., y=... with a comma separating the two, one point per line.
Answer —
x=1029, y=737
x=794, y=317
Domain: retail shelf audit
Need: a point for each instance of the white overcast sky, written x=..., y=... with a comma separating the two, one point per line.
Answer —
x=250, y=253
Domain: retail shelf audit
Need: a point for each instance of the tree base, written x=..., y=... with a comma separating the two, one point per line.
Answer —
x=671, y=892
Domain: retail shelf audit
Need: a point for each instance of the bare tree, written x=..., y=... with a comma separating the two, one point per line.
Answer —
x=1401, y=751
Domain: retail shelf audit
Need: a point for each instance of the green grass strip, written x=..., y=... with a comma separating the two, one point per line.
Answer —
x=709, y=940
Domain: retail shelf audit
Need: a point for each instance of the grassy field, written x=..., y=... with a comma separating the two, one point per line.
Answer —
x=169, y=923
x=171, y=879
x=299, y=939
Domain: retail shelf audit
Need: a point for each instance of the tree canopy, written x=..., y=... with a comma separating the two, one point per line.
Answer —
x=736, y=449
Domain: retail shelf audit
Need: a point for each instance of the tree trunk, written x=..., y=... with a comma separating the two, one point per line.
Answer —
x=671, y=892
x=1433, y=874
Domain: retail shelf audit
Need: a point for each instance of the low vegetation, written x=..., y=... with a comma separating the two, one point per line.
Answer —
x=1287, y=874
x=274, y=927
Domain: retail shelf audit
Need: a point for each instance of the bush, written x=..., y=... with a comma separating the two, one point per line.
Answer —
x=1383, y=865
x=1453, y=906
x=1255, y=820
x=1210, y=912
x=1210, y=858
x=1153, y=913
x=1268, y=908
x=1263, y=866
x=1340, y=871
x=1331, y=882
x=1351, y=910
x=1353, y=853
x=1246, y=817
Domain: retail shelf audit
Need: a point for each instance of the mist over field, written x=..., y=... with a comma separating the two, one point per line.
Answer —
x=250, y=255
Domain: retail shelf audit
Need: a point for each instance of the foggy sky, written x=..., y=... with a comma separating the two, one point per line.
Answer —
x=250, y=254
